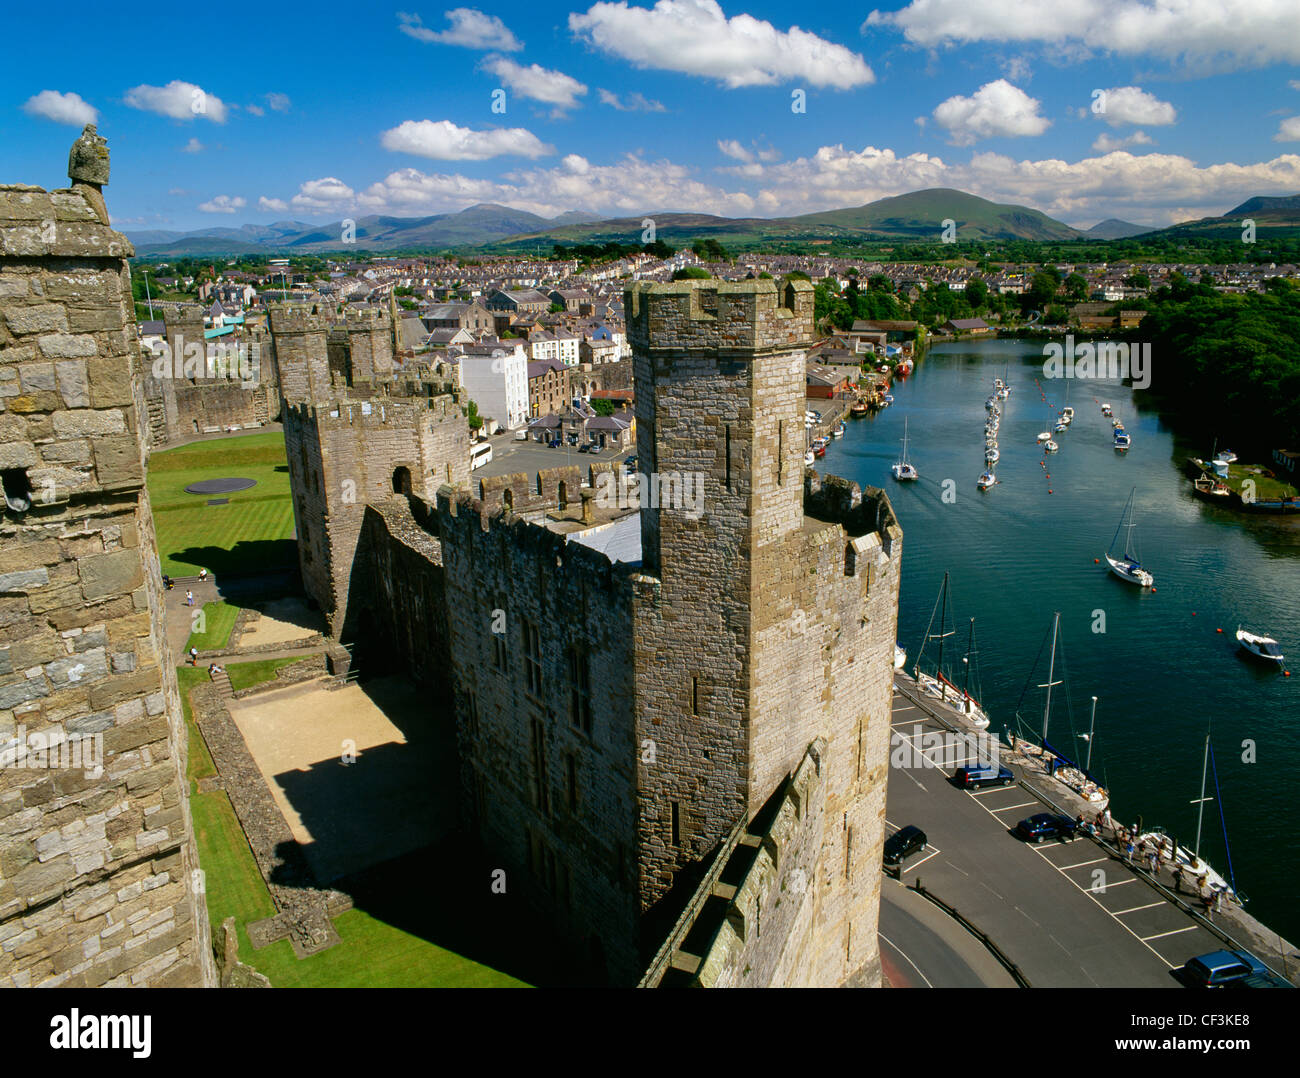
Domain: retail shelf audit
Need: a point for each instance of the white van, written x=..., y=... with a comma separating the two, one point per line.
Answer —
x=479, y=455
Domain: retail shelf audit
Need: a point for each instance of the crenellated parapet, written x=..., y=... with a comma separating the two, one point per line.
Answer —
x=727, y=318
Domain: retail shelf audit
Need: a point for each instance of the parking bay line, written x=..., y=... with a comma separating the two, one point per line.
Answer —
x=1134, y=909
x=919, y=863
x=1176, y=931
x=1006, y=808
x=1080, y=864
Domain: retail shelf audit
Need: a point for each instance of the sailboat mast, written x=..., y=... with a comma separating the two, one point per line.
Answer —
x=970, y=647
x=1200, y=810
x=1051, y=670
x=943, y=616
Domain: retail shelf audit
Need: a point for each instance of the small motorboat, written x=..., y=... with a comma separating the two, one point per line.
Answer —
x=838, y=432
x=991, y=404
x=991, y=454
x=886, y=400
x=1050, y=446
x=819, y=450
x=986, y=480
x=1211, y=488
x=1067, y=413
x=1227, y=455
x=1106, y=411
x=1062, y=426
x=1122, y=440
x=809, y=458
x=1045, y=436
x=1115, y=423
x=1262, y=647
x=900, y=657
x=859, y=408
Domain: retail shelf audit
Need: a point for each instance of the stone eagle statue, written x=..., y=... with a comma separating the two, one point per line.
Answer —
x=88, y=158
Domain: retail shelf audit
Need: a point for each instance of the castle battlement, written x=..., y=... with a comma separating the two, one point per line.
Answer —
x=722, y=317
x=365, y=318
x=297, y=318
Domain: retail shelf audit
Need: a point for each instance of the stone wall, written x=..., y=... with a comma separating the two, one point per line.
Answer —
x=98, y=871
x=552, y=796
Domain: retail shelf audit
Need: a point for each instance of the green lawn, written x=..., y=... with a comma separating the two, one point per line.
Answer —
x=245, y=675
x=372, y=954
x=219, y=619
x=254, y=531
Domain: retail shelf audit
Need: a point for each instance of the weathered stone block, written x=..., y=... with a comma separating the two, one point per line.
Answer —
x=44, y=318
x=117, y=462
x=105, y=575
x=67, y=345
x=73, y=424
x=23, y=581
x=74, y=385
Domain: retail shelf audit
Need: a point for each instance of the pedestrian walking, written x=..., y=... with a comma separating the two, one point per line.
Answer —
x=189, y=598
x=1178, y=879
x=1154, y=860
x=194, y=656
x=1128, y=853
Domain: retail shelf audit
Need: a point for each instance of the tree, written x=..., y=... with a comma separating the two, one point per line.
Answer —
x=601, y=406
x=1076, y=286
x=976, y=293
x=691, y=273
x=1138, y=280
x=471, y=414
x=557, y=307
x=710, y=251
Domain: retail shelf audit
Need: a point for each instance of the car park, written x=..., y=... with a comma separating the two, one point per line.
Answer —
x=903, y=843
x=970, y=778
x=1043, y=825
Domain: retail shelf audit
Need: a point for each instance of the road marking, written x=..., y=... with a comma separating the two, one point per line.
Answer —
x=1094, y=861
x=1134, y=909
x=991, y=790
x=1176, y=931
x=919, y=863
x=1006, y=808
x=909, y=960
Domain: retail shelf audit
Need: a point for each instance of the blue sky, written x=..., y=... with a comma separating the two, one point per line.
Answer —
x=631, y=107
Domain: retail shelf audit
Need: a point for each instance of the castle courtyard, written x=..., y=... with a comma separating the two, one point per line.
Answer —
x=397, y=796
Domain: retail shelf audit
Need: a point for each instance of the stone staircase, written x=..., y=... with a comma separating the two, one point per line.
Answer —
x=221, y=682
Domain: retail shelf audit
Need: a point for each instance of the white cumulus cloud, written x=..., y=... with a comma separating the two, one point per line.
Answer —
x=1289, y=130
x=1132, y=105
x=1219, y=33
x=445, y=141
x=179, y=100
x=470, y=28
x=695, y=37
x=328, y=193
x=223, y=204
x=193, y=146
x=536, y=82
x=272, y=205
x=61, y=108
x=996, y=108
x=1106, y=142
x=278, y=102
x=635, y=102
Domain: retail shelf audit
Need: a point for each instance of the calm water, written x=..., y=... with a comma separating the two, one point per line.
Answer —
x=1161, y=673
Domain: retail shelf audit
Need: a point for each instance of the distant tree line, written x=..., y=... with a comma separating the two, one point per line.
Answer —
x=1228, y=364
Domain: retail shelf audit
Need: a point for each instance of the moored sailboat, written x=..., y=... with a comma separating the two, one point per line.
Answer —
x=1128, y=566
x=904, y=469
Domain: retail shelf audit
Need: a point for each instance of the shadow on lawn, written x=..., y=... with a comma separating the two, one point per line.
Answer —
x=245, y=557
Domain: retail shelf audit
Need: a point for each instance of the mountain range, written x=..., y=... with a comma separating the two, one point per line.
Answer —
x=918, y=215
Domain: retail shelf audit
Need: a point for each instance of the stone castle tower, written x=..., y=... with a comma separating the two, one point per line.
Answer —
x=99, y=880
x=762, y=624
x=354, y=436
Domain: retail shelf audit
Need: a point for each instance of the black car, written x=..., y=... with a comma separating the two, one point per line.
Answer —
x=1043, y=825
x=586, y=447
x=903, y=843
x=969, y=778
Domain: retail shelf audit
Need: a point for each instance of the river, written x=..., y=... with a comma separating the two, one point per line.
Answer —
x=1026, y=548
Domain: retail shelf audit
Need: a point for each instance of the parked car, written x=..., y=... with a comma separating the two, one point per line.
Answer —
x=903, y=843
x=1043, y=825
x=1227, y=969
x=555, y=443
x=585, y=447
x=630, y=461
x=969, y=778
x=521, y=435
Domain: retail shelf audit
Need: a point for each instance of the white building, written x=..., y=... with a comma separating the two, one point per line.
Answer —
x=495, y=375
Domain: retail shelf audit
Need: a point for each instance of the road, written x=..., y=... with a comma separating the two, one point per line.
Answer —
x=1067, y=913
